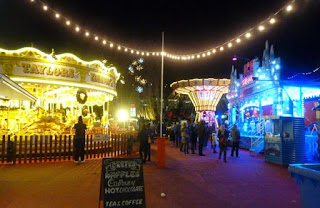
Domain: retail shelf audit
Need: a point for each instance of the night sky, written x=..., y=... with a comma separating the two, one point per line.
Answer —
x=189, y=27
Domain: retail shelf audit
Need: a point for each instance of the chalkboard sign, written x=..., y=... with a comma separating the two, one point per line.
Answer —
x=122, y=183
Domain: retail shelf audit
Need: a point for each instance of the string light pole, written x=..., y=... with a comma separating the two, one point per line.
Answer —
x=161, y=92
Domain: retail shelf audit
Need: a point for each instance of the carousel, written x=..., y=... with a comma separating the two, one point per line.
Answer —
x=205, y=94
x=65, y=87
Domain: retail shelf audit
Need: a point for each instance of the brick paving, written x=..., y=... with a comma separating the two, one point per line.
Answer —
x=189, y=181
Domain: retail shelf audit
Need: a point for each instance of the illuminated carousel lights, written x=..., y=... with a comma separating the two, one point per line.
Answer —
x=262, y=26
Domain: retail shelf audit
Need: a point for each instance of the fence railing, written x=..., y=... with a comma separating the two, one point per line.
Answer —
x=46, y=148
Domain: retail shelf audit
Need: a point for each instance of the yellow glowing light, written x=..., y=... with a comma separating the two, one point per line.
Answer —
x=123, y=115
x=214, y=51
x=77, y=29
x=70, y=84
x=198, y=56
x=142, y=53
x=153, y=53
x=119, y=48
x=289, y=8
x=248, y=35
x=272, y=21
x=163, y=53
x=57, y=16
x=31, y=0
x=238, y=40
x=147, y=53
x=87, y=34
x=208, y=53
x=104, y=42
x=203, y=55
x=137, y=52
x=126, y=50
x=261, y=28
x=68, y=22
x=157, y=54
x=96, y=38
x=111, y=45
x=229, y=45
x=221, y=48
x=131, y=51
x=61, y=56
x=45, y=8
x=192, y=57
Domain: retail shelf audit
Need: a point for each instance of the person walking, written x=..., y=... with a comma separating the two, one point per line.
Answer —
x=79, y=140
x=223, y=137
x=214, y=141
x=177, y=133
x=185, y=132
x=143, y=141
x=201, y=135
x=235, y=135
x=171, y=135
x=193, y=139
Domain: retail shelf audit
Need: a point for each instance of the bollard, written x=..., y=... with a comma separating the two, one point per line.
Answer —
x=161, y=152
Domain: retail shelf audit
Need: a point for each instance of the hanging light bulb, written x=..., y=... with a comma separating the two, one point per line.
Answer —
x=68, y=22
x=261, y=28
x=229, y=45
x=198, y=56
x=147, y=53
x=208, y=53
x=57, y=15
x=126, y=50
x=131, y=51
x=214, y=50
x=289, y=8
x=272, y=21
x=248, y=35
x=96, y=38
x=87, y=34
x=104, y=42
x=221, y=48
x=45, y=8
x=119, y=48
x=153, y=53
x=192, y=57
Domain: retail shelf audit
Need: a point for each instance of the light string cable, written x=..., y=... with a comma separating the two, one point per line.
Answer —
x=247, y=35
x=307, y=73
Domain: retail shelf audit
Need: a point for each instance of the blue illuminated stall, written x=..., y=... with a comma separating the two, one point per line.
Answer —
x=260, y=102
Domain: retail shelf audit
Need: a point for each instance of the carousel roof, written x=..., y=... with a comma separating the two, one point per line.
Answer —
x=12, y=91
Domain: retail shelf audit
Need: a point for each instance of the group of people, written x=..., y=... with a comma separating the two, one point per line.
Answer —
x=182, y=135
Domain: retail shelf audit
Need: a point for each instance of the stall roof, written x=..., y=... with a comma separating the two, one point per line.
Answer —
x=12, y=91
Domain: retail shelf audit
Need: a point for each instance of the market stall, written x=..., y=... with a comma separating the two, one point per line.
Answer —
x=259, y=93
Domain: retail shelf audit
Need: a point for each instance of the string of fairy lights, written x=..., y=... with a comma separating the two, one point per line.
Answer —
x=233, y=42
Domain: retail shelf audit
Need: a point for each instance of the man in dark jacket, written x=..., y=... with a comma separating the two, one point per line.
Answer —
x=143, y=140
x=235, y=134
x=201, y=135
x=79, y=140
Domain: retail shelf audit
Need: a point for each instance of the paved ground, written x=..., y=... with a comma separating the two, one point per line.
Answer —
x=189, y=181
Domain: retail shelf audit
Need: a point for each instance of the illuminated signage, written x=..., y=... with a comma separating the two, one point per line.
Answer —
x=246, y=80
x=100, y=79
x=48, y=69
